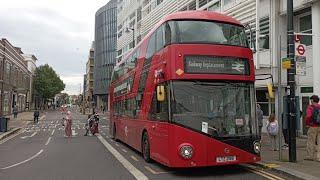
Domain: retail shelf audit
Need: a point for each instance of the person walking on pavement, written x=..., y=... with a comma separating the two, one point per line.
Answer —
x=260, y=118
x=285, y=131
x=312, y=121
x=36, y=114
x=272, y=129
x=68, y=121
x=15, y=112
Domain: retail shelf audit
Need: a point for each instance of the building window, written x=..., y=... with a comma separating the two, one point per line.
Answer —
x=264, y=24
x=202, y=3
x=185, y=8
x=228, y=4
x=192, y=5
x=1, y=68
x=159, y=2
x=305, y=26
x=215, y=7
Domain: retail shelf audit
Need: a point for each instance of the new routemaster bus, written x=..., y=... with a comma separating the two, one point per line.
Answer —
x=184, y=96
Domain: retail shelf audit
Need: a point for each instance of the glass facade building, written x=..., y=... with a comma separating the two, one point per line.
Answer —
x=105, y=51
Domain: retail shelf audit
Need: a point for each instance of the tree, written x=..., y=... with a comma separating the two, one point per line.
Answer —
x=47, y=83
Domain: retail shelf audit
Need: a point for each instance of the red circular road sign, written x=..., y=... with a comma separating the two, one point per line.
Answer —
x=297, y=38
x=301, y=50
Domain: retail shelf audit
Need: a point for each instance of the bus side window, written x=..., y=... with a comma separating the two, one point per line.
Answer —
x=160, y=38
x=151, y=47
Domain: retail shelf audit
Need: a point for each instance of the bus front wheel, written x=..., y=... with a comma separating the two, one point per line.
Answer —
x=146, y=148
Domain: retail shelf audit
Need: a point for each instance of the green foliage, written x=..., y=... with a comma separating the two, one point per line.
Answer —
x=47, y=83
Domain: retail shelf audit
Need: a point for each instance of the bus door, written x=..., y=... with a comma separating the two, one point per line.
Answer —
x=159, y=131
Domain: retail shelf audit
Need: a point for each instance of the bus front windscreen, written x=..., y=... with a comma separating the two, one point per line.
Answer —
x=219, y=109
x=206, y=32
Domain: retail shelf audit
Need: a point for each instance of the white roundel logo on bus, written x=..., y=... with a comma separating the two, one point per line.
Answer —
x=226, y=150
x=126, y=130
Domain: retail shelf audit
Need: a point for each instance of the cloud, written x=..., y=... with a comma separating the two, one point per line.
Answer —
x=57, y=32
x=54, y=40
x=74, y=84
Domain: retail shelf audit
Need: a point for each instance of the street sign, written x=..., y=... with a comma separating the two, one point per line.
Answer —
x=286, y=63
x=297, y=38
x=301, y=65
x=300, y=49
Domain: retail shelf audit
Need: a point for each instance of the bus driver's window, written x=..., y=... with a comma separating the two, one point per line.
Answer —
x=159, y=109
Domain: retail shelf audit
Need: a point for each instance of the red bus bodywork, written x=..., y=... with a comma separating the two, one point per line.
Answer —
x=166, y=138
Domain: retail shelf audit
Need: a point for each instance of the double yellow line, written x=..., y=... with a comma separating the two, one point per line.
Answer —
x=265, y=174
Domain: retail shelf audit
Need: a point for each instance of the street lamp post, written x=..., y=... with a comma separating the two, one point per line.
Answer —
x=291, y=85
x=127, y=31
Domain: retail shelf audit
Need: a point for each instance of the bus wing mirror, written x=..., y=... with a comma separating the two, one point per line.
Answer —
x=160, y=93
x=251, y=45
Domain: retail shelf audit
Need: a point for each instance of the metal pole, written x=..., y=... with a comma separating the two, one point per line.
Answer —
x=133, y=38
x=280, y=101
x=291, y=84
x=257, y=35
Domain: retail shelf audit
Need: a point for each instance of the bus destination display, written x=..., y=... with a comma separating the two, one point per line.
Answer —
x=216, y=65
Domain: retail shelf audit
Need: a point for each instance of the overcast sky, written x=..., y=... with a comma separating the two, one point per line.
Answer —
x=57, y=32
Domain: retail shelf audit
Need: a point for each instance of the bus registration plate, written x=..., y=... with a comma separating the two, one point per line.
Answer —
x=223, y=159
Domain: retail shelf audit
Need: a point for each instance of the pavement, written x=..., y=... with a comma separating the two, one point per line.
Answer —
x=16, y=124
x=302, y=169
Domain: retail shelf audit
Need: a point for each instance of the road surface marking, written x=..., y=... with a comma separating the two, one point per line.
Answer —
x=10, y=137
x=265, y=174
x=134, y=158
x=154, y=171
x=117, y=145
x=124, y=150
x=133, y=170
x=24, y=137
x=74, y=132
x=258, y=171
x=52, y=132
x=24, y=160
x=150, y=170
x=48, y=141
x=270, y=175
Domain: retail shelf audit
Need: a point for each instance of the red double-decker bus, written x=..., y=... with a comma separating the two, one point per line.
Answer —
x=185, y=96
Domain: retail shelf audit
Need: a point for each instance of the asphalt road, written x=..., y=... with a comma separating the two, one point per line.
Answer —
x=41, y=152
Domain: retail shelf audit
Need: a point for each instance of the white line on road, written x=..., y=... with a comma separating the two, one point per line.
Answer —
x=24, y=160
x=52, y=132
x=10, y=137
x=24, y=137
x=48, y=141
x=133, y=170
x=124, y=150
x=134, y=158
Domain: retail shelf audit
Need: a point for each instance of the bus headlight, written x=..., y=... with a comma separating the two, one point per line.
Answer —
x=186, y=151
x=257, y=147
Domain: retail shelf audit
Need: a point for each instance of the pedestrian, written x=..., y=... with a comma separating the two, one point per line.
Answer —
x=260, y=118
x=15, y=112
x=36, y=114
x=272, y=129
x=285, y=132
x=312, y=122
x=68, y=124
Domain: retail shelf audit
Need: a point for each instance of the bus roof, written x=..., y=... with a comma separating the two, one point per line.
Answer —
x=181, y=15
x=201, y=15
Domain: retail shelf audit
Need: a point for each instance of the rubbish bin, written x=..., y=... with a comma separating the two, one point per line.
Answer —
x=4, y=124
